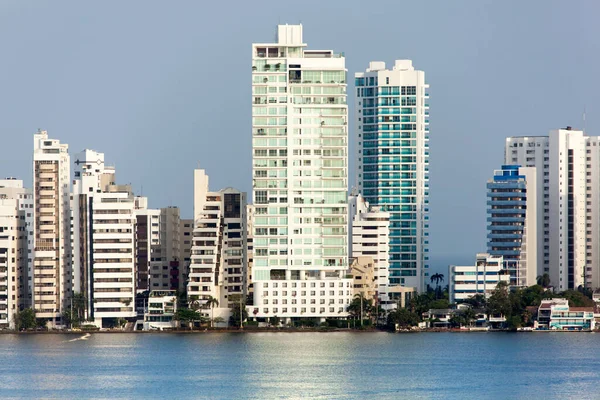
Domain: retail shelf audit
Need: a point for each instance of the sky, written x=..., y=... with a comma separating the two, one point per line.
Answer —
x=165, y=87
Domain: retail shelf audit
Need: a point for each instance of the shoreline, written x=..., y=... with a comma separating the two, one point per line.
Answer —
x=272, y=330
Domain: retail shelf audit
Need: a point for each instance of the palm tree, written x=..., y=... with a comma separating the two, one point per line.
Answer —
x=212, y=303
x=437, y=278
x=544, y=280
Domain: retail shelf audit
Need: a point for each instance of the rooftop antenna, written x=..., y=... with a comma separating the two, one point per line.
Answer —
x=584, y=119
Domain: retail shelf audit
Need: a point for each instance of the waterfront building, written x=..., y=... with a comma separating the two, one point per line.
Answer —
x=567, y=166
x=512, y=223
x=481, y=278
x=369, y=236
x=556, y=314
x=147, y=243
x=11, y=188
x=218, y=258
x=51, y=228
x=300, y=180
x=13, y=249
x=364, y=279
x=104, y=240
x=392, y=119
x=161, y=309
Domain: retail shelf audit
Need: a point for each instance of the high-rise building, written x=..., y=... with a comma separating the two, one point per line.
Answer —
x=218, y=259
x=392, y=119
x=370, y=238
x=52, y=228
x=11, y=188
x=300, y=179
x=186, y=233
x=13, y=249
x=104, y=240
x=512, y=223
x=147, y=243
x=567, y=166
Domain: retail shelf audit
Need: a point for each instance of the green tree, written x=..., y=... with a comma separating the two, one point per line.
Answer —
x=403, y=317
x=499, y=301
x=237, y=303
x=212, y=303
x=187, y=315
x=478, y=301
x=25, y=319
x=544, y=280
x=469, y=316
x=274, y=321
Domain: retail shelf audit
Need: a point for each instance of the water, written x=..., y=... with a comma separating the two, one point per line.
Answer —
x=340, y=365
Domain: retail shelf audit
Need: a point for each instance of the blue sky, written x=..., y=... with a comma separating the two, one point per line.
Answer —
x=163, y=87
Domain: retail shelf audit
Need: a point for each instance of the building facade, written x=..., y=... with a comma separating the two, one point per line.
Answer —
x=104, y=264
x=52, y=228
x=218, y=254
x=11, y=188
x=13, y=256
x=512, y=224
x=392, y=119
x=567, y=166
x=147, y=243
x=370, y=238
x=479, y=279
x=300, y=179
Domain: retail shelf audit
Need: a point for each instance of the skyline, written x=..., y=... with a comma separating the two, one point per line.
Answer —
x=145, y=102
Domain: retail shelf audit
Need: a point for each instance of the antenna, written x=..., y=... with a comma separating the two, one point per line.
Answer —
x=584, y=119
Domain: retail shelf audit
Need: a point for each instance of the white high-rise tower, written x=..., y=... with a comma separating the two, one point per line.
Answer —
x=300, y=179
x=52, y=227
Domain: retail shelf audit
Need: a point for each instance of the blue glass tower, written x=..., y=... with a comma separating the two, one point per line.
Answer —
x=393, y=161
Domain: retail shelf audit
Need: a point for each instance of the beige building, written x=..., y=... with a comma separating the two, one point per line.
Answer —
x=362, y=270
x=52, y=227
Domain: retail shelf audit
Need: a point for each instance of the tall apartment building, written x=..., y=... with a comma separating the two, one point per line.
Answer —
x=147, y=242
x=392, y=119
x=104, y=240
x=51, y=227
x=11, y=188
x=512, y=224
x=300, y=179
x=218, y=259
x=186, y=234
x=13, y=249
x=370, y=238
x=568, y=176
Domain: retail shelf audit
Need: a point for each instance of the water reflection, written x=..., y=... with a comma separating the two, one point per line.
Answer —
x=299, y=365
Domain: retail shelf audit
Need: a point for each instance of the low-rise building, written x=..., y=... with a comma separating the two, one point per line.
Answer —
x=556, y=314
x=481, y=278
x=160, y=313
x=362, y=270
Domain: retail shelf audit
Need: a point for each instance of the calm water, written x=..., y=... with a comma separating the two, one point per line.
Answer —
x=301, y=365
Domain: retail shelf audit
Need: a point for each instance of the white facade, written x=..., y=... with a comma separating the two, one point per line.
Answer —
x=370, y=238
x=218, y=257
x=512, y=223
x=103, y=240
x=300, y=179
x=11, y=263
x=52, y=227
x=392, y=119
x=11, y=188
x=162, y=306
x=481, y=278
x=567, y=164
